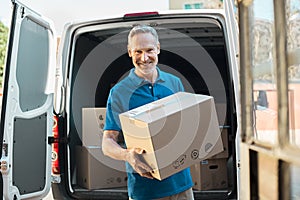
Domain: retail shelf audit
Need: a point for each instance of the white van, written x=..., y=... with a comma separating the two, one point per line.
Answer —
x=199, y=46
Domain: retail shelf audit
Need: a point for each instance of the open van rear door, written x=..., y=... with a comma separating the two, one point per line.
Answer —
x=27, y=106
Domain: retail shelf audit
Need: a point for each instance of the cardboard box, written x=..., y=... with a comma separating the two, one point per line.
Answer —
x=96, y=171
x=210, y=174
x=224, y=153
x=221, y=109
x=176, y=132
x=93, y=120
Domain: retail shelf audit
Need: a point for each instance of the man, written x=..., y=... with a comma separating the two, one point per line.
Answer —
x=145, y=83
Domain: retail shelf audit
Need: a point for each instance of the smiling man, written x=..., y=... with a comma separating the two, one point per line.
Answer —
x=144, y=84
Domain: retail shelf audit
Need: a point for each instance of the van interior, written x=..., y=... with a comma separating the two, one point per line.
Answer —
x=194, y=49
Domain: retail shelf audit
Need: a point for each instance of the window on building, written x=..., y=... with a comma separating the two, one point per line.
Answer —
x=263, y=68
x=293, y=48
x=197, y=5
x=187, y=6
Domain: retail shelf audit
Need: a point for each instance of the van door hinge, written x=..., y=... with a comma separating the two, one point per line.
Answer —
x=22, y=11
x=4, y=166
x=52, y=140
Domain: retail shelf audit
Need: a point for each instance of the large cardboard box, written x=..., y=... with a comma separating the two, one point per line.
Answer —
x=221, y=109
x=96, y=171
x=93, y=120
x=224, y=153
x=176, y=132
x=210, y=174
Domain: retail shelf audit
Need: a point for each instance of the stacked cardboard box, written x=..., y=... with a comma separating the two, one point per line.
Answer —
x=94, y=170
x=211, y=174
x=93, y=120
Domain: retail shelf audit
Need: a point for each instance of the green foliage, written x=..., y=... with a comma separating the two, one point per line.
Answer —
x=3, y=43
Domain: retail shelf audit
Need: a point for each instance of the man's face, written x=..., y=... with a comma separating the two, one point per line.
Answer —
x=144, y=51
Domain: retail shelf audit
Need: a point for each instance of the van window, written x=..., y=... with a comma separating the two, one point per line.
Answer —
x=32, y=64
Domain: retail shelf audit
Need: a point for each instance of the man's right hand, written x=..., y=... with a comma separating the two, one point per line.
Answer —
x=133, y=157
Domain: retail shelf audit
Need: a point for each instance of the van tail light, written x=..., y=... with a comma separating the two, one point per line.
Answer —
x=55, y=148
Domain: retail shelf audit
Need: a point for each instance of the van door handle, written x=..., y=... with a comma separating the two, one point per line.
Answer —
x=54, y=140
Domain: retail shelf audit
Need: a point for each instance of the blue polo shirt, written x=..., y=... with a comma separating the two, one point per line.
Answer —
x=132, y=92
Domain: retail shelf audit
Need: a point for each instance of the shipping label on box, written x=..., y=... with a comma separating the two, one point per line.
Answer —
x=176, y=132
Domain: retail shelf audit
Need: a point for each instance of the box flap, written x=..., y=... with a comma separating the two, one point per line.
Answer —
x=166, y=106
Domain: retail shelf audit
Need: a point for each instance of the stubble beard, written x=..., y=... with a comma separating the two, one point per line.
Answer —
x=145, y=71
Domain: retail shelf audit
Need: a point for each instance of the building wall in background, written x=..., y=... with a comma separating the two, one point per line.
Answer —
x=195, y=4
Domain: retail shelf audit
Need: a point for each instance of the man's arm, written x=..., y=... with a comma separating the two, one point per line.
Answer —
x=111, y=148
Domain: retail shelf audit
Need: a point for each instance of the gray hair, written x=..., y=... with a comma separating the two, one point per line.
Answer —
x=142, y=29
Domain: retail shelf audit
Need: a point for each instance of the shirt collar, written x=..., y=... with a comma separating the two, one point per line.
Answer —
x=138, y=81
